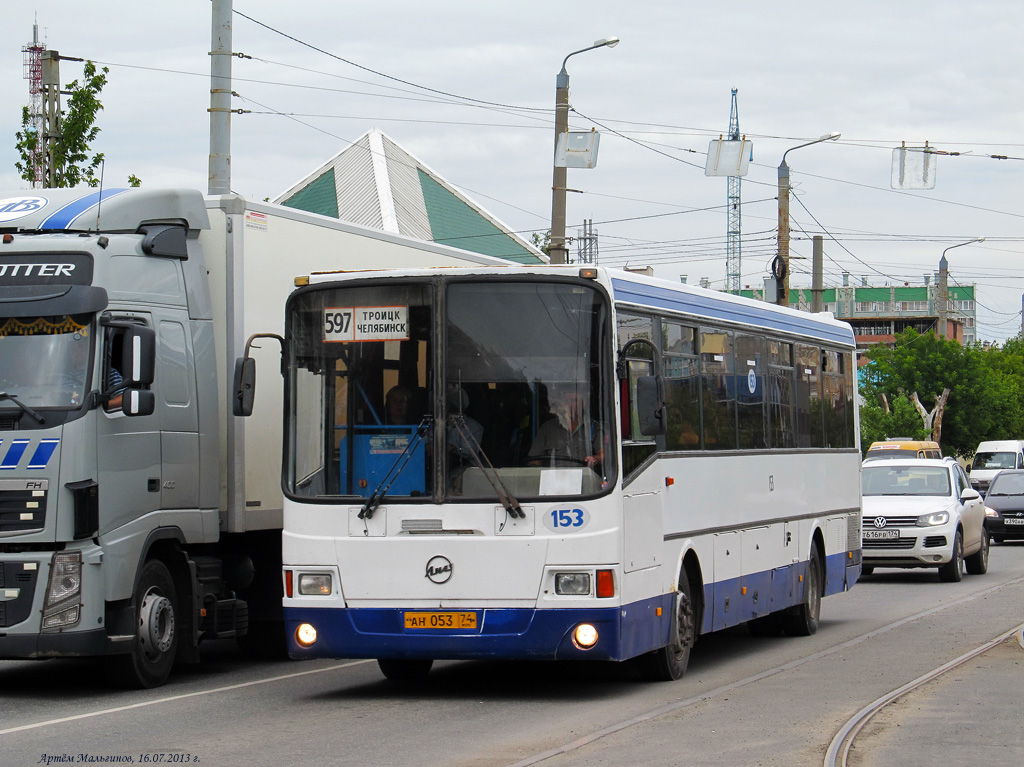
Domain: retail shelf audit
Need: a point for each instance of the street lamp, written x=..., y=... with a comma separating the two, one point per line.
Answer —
x=780, y=269
x=557, y=244
x=942, y=300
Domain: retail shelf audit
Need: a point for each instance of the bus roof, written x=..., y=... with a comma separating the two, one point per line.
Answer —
x=657, y=294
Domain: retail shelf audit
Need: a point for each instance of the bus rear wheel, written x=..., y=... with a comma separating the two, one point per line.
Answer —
x=669, y=663
x=802, y=620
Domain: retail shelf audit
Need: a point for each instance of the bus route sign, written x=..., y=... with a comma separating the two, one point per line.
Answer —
x=366, y=323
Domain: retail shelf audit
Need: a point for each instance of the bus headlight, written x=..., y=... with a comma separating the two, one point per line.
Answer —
x=305, y=635
x=585, y=636
x=572, y=584
x=62, y=607
x=317, y=584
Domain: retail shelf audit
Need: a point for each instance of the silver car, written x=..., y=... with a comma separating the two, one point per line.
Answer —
x=922, y=513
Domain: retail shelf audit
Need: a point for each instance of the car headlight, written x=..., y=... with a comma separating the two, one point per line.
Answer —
x=990, y=512
x=937, y=518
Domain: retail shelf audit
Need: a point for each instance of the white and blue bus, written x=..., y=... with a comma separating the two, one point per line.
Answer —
x=559, y=463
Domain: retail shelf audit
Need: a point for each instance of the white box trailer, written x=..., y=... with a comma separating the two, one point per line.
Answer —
x=137, y=515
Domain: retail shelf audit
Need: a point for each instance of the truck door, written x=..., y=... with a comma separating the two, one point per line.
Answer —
x=128, y=449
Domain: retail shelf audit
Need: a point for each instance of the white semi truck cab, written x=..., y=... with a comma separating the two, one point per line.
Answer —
x=110, y=434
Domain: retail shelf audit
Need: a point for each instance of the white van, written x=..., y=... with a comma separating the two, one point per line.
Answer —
x=992, y=457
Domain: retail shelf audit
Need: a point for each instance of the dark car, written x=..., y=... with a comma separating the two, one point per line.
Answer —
x=1004, y=505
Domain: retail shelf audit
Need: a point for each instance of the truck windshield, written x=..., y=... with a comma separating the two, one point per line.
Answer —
x=45, y=360
x=506, y=395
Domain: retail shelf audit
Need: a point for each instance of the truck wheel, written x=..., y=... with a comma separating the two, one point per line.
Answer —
x=669, y=663
x=802, y=620
x=150, y=661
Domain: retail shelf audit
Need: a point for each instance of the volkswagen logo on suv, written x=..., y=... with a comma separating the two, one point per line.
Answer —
x=879, y=521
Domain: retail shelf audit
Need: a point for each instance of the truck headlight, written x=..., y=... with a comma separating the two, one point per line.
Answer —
x=62, y=607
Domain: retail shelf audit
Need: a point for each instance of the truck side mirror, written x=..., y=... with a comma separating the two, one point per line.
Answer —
x=138, y=355
x=650, y=405
x=137, y=402
x=244, y=392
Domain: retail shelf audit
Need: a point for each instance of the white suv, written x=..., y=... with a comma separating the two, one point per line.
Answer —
x=922, y=513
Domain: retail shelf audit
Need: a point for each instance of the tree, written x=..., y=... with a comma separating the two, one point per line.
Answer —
x=72, y=164
x=986, y=386
x=878, y=423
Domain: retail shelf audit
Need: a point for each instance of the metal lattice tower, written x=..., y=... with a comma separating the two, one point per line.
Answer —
x=732, y=247
x=33, y=70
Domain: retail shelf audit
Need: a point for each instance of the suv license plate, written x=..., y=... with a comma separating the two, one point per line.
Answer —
x=1013, y=520
x=440, y=621
x=874, y=535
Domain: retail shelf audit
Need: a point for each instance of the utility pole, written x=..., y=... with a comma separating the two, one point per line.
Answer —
x=817, y=280
x=52, y=129
x=220, y=99
x=942, y=300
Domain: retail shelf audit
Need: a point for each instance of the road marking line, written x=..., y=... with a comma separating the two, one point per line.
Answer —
x=183, y=696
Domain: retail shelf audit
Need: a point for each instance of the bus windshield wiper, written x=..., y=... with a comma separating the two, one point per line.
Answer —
x=399, y=465
x=14, y=398
x=512, y=507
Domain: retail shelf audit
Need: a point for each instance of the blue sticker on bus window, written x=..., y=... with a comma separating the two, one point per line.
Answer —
x=566, y=518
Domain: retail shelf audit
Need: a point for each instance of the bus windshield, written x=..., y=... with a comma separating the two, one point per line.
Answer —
x=455, y=390
x=45, y=360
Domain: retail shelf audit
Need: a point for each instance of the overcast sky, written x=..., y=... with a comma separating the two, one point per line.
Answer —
x=432, y=77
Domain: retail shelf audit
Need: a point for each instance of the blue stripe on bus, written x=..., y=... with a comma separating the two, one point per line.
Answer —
x=14, y=454
x=63, y=218
x=749, y=313
x=529, y=634
x=43, y=453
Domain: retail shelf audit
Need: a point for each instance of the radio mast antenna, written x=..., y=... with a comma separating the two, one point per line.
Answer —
x=33, y=69
x=732, y=247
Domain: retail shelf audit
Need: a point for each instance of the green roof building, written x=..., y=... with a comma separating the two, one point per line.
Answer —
x=376, y=183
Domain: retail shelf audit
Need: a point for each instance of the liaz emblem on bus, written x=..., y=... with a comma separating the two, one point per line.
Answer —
x=366, y=323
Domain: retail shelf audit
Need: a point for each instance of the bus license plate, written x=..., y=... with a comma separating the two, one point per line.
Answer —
x=440, y=621
x=875, y=535
x=1013, y=520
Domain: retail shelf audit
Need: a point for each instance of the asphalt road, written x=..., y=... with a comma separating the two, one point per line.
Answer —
x=745, y=700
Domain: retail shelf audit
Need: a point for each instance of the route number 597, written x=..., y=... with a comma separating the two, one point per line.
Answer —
x=338, y=324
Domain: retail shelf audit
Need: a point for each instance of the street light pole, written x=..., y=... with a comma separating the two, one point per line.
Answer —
x=782, y=269
x=942, y=299
x=558, y=180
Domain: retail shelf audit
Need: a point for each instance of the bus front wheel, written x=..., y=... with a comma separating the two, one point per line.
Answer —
x=669, y=663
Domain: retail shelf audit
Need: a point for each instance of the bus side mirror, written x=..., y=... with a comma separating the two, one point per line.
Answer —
x=650, y=405
x=244, y=392
x=138, y=356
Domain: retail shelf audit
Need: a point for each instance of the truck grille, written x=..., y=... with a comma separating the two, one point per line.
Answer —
x=22, y=505
x=17, y=587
